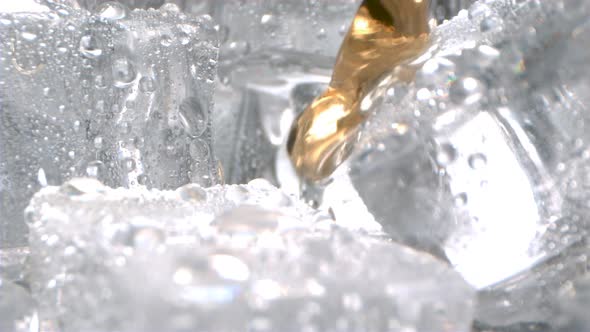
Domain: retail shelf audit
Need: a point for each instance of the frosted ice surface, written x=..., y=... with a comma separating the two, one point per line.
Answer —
x=224, y=259
x=123, y=96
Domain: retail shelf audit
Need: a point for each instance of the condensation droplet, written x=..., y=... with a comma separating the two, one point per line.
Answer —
x=90, y=47
x=445, y=154
x=123, y=72
x=146, y=84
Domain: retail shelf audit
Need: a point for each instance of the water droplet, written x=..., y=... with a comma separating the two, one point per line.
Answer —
x=352, y=301
x=445, y=154
x=477, y=161
x=111, y=11
x=143, y=180
x=94, y=169
x=170, y=7
x=266, y=19
x=229, y=267
x=491, y=23
x=236, y=194
x=236, y=48
x=322, y=34
x=171, y=150
x=90, y=47
x=342, y=30
x=129, y=164
x=123, y=72
x=81, y=186
x=147, y=238
x=125, y=127
x=28, y=35
x=192, y=192
x=199, y=150
x=99, y=82
x=460, y=199
x=146, y=84
x=184, y=38
x=166, y=40
x=193, y=117
x=466, y=90
x=62, y=47
x=41, y=177
x=98, y=142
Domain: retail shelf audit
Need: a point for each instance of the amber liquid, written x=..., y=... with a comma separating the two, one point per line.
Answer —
x=383, y=35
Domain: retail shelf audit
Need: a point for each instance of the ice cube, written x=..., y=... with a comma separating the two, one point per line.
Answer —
x=224, y=259
x=483, y=159
x=123, y=96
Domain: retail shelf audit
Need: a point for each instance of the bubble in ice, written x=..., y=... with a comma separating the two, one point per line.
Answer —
x=91, y=46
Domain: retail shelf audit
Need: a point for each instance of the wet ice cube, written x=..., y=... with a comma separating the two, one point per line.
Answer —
x=483, y=160
x=226, y=258
x=123, y=96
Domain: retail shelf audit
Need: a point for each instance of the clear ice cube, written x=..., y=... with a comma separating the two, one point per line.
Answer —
x=123, y=96
x=226, y=258
x=483, y=160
